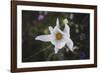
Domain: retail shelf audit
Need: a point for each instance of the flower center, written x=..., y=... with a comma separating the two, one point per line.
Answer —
x=59, y=36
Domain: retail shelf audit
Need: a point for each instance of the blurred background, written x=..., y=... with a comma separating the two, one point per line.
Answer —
x=36, y=23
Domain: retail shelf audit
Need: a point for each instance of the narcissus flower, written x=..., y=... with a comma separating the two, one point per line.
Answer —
x=58, y=37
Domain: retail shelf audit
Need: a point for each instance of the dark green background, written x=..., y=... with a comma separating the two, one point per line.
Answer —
x=33, y=25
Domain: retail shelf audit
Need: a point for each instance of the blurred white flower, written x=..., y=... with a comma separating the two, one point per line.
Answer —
x=71, y=16
x=57, y=37
x=65, y=21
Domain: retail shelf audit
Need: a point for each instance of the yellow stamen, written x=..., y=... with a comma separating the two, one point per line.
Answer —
x=59, y=36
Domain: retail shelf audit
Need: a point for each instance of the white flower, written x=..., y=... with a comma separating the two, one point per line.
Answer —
x=57, y=37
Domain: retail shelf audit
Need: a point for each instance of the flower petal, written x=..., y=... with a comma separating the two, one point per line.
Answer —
x=50, y=29
x=65, y=21
x=67, y=30
x=44, y=38
x=70, y=44
x=59, y=44
x=56, y=30
x=57, y=23
x=56, y=50
x=60, y=31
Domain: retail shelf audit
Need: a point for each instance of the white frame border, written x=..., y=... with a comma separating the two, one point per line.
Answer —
x=53, y=63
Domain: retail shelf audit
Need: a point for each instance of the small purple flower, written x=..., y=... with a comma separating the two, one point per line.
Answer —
x=40, y=17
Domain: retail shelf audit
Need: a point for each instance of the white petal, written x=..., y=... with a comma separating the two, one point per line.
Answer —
x=56, y=30
x=56, y=50
x=44, y=38
x=57, y=26
x=69, y=43
x=65, y=21
x=52, y=40
x=57, y=23
x=67, y=30
x=60, y=44
x=50, y=29
x=60, y=31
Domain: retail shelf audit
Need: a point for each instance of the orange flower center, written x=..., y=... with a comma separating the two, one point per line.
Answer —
x=59, y=36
